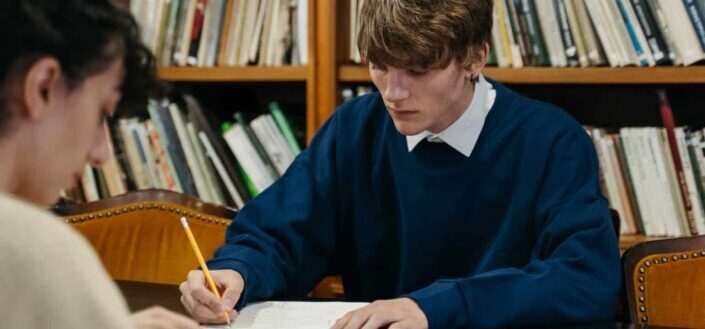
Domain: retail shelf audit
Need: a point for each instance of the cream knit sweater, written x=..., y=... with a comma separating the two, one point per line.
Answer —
x=50, y=277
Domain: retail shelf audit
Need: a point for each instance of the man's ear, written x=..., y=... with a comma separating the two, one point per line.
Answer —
x=40, y=87
x=480, y=60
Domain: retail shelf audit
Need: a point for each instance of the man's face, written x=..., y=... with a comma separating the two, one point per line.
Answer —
x=70, y=135
x=424, y=100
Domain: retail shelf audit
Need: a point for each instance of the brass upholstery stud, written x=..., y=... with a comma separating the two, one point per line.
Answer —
x=73, y=220
x=140, y=206
x=100, y=214
x=217, y=221
x=178, y=211
x=125, y=209
x=642, y=299
x=66, y=220
x=702, y=253
x=91, y=216
x=132, y=207
x=642, y=309
x=664, y=259
x=641, y=278
x=81, y=218
x=647, y=263
x=108, y=214
x=198, y=216
x=149, y=206
x=117, y=212
x=641, y=287
x=655, y=261
x=695, y=254
x=163, y=207
x=210, y=219
x=675, y=257
x=684, y=256
x=642, y=270
x=643, y=318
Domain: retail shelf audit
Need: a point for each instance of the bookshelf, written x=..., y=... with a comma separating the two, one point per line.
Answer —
x=547, y=75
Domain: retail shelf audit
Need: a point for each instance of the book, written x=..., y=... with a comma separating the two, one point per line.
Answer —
x=669, y=122
x=291, y=315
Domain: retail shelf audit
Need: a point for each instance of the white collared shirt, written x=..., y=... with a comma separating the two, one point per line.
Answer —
x=464, y=132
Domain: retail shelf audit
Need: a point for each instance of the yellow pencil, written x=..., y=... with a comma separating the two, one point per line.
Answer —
x=202, y=263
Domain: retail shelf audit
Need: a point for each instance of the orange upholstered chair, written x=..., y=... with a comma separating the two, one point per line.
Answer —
x=139, y=237
x=665, y=283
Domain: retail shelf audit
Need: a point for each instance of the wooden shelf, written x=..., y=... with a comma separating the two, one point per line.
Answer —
x=235, y=74
x=547, y=75
x=628, y=240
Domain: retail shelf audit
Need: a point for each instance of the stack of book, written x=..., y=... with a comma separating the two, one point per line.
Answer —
x=581, y=33
x=224, y=32
x=654, y=177
x=176, y=149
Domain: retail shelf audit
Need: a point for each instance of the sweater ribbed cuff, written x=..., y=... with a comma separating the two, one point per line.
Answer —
x=443, y=303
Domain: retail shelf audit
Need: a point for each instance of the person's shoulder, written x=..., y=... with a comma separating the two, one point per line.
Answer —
x=534, y=114
x=37, y=238
x=362, y=108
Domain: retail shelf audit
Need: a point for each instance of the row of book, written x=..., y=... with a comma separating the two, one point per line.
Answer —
x=582, y=33
x=207, y=33
x=654, y=176
x=175, y=148
x=349, y=92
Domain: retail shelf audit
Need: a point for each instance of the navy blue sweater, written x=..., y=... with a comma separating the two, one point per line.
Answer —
x=516, y=234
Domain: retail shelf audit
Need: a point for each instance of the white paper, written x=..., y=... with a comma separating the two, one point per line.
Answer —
x=294, y=315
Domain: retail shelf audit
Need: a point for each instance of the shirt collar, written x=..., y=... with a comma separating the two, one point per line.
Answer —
x=464, y=132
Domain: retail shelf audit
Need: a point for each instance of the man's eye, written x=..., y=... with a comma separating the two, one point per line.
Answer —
x=417, y=72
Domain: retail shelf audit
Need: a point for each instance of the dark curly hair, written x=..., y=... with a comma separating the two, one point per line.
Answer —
x=85, y=36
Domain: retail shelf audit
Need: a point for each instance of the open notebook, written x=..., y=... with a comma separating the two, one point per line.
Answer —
x=292, y=315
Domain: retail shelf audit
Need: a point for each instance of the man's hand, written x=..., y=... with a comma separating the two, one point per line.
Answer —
x=203, y=305
x=400, y=313
x=157, y=317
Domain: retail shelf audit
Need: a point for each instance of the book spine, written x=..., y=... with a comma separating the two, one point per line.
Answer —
x=696, y=15
x=569, y=47
x=640, y=54
x=669, y=124
x=654, y=39
x=269, y=165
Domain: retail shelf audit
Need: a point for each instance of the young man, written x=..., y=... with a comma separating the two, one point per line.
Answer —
x=63, y=67
x=446, y=198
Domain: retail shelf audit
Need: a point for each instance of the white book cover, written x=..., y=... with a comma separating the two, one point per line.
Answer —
x=218, y=164
x=548, y=20
x=254, y=45
x=156, y=175
x=693, y=194
x=674, y=220
x=279, y=139
x=647, y=55
x=598, y=21
x=88, y=185
x=684, y=37
x=497, y=40
x=232, y=44
x=246, y=154
x=191, y=162
x=619, y=28
x=140, y=174
x=302, y=19
x=611, y=182
x=656, y=197
x=210, y=176
x=638, y=180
